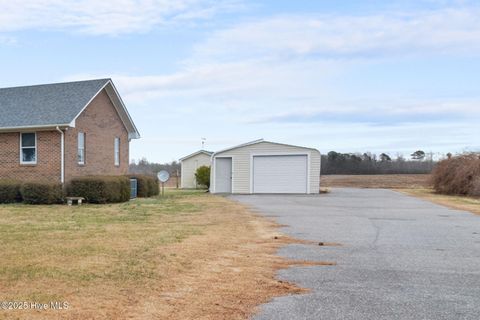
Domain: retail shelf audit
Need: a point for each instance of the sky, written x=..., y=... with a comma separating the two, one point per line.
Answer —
x=350, y=75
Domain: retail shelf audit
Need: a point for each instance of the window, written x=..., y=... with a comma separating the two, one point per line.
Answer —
x=117, y=151
x=81, y=148
x=28, y=148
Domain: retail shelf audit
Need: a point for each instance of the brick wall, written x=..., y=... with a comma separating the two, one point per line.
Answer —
x=47, y=168
x=101, y=124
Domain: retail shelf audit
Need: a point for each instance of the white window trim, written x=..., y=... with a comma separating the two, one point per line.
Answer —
x=116, y=152
x=21, y=149
x=78, y=148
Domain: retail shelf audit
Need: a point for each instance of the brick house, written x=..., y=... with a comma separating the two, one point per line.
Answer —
x=55, y=132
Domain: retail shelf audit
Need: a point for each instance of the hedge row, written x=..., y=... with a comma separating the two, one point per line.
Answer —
x=10, y=191
x=42, y=193
x=147, y=186
x=95, y=189
x=30, y=192
x=100, y=189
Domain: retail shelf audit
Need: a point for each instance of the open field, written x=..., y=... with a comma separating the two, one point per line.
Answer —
x=384, y=181
x=416, y=185
x=189, y=255
x=454, y=202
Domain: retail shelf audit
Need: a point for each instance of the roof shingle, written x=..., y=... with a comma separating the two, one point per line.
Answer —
x=45, y=105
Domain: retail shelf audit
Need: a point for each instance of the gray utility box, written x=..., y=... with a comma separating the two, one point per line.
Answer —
x=133, y=188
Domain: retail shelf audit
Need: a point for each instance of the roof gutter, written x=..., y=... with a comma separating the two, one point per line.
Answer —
x=62, y=155
x=38, y=127
x=208, y=153
x=239, y=146
x=212, y=173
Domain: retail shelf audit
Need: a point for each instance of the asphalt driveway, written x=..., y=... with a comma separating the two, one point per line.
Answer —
x=401, y=257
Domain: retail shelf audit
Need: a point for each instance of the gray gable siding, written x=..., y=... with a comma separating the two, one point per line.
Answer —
x=44, y=105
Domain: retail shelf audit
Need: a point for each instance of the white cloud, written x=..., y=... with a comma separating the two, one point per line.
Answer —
x=8, y=41
x=243, y=91
x=108, y=17
x=340, y=36
x=252, y=94
x=289, y=62
x=282, y=78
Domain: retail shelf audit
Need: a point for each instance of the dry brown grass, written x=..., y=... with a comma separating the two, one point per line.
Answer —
x=458, y=175
x=384, y=181
x=454, y=202
x=184, y=257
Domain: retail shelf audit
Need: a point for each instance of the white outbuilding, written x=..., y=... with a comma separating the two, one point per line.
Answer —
x=190, y=164
x=265, y=167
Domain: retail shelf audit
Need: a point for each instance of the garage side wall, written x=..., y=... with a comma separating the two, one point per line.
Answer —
x=189, y=167
x=241, y=161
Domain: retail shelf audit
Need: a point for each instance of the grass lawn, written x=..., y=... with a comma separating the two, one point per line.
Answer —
x=186, y=255
x=454, y=202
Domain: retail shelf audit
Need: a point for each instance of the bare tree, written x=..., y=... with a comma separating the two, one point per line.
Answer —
x=143, y=166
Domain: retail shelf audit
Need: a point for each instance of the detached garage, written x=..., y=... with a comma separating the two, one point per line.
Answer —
x=266, y=167
x=189, y=166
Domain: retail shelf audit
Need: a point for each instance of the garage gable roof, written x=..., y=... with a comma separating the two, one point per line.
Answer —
x=257, y=142
x=208, y=153
x=56, y=105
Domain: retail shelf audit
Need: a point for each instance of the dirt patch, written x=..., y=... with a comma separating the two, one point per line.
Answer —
x=304, y=263
x=329, y=244
x=196, y=257
x=383, y=181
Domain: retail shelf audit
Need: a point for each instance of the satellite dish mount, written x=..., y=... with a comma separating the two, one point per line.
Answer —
x=163, y=177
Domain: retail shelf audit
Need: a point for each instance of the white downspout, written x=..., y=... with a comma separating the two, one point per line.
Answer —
x=62, y=155
x=212, y=173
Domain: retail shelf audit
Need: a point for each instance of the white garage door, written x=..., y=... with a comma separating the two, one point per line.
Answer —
x=280, y=174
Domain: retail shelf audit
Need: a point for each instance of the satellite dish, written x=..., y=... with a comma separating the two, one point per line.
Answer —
x=163, y=176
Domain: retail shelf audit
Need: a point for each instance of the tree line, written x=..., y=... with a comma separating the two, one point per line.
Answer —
x=369, y=163
x=332, y=163
x=143, y=166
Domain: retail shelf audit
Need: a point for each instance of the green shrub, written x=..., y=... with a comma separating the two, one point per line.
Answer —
x=153, y=187
x=203, y=176
x=41, y=193
x=147, y=186
x=124, y=194
x=9, y=191
x=142, y=186
x=100, y=189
